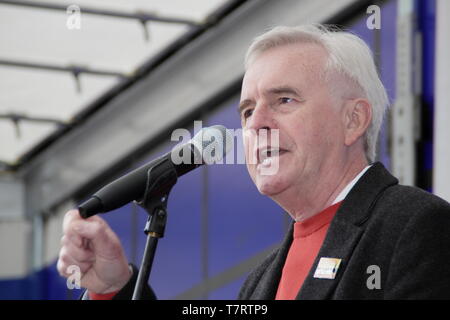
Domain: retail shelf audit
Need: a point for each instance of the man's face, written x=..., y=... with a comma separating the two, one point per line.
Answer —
x=282, y=90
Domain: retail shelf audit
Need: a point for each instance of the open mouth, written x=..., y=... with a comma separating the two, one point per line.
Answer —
x=268, y=153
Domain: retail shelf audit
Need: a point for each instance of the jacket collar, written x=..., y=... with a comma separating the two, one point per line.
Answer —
x=346, y=229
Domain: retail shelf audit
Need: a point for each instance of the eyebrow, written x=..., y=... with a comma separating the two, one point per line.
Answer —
x=284, y=90
x=272, y=91
x=244, y=104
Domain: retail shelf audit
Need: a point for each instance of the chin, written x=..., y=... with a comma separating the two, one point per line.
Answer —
x=270, y=186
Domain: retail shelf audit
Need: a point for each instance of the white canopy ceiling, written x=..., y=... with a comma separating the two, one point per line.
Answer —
x=103, y=43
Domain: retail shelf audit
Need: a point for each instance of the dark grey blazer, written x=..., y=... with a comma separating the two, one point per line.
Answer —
x=404, y=231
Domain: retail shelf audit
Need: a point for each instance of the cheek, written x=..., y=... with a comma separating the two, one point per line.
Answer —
x=310, y=137
x=324, y=124
x=250, y=144
x=332, y=128
x=305, y=133
x=251, y=168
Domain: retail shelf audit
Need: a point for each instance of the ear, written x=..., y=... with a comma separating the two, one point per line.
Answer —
x=357, y=118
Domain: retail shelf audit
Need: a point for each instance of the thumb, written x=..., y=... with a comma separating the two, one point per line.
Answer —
x=103, y=241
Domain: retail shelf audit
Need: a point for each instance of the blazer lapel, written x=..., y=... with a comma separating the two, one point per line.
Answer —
x=339, y=243
x=346, y=229
x=268, y=284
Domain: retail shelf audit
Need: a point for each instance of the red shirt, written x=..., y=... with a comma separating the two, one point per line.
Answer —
x=105, y=296
x=307, y=240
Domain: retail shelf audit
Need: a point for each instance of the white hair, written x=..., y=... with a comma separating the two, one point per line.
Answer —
x=348, y=55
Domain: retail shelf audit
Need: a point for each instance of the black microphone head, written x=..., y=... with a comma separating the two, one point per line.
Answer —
x=90, y=207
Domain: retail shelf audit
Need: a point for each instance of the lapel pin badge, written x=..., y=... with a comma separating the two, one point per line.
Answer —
x=327, y=268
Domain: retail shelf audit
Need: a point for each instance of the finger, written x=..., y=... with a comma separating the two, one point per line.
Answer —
x=91, y=228
x=102, y=239
x=66, y=257
x=66, y=267
x=66, y=261
x=77, y=252
x=88, y=228
x=74, y=238
x=69, y=218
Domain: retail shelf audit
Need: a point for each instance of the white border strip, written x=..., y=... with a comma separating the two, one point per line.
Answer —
x=441, y=152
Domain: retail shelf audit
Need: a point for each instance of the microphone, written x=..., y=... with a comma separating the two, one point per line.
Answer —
x=209, y=145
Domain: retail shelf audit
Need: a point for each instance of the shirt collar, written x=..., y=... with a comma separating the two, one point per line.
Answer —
x=309, y=226
x=349, y=186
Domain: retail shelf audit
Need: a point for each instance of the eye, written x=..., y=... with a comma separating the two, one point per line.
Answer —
x=284, y=100
x=247, y=113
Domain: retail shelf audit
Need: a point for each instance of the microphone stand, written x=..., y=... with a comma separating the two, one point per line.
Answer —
x=160, y=180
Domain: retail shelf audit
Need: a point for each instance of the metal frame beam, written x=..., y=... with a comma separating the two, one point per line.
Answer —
x=74, y=69
x=141, y=16
x=405, y=113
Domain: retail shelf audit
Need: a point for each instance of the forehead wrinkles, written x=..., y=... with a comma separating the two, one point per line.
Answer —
x=298, y=63
x=312, y=58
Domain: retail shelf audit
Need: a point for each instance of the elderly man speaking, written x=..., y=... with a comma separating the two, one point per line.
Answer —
x=357, y=233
